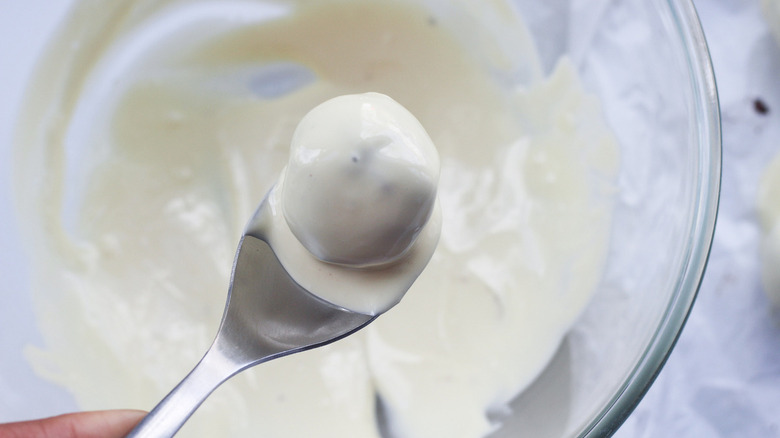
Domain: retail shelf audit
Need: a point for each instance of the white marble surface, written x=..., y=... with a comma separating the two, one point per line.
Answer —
x=723, y=378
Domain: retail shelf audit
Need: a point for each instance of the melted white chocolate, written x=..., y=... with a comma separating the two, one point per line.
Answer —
x=354, y=218
x=361, y=181
x=155, y=128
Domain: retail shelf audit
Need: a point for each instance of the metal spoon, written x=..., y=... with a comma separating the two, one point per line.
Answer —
x=268, y=315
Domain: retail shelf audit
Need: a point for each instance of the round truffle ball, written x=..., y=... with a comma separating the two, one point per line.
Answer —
x=361, y=180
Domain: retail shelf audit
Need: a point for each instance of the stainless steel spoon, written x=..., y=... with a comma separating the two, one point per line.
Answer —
x=268, y=315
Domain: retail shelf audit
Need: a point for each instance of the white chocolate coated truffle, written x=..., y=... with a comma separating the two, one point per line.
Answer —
x=361, y=180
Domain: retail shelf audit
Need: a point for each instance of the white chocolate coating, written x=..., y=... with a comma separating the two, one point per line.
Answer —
x=361, y=180
x=768, y=209
x=771, y=9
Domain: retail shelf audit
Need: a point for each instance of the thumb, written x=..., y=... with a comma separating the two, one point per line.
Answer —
x=95, y=424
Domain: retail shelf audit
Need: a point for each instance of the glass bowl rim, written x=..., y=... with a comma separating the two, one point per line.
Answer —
x=706, y=109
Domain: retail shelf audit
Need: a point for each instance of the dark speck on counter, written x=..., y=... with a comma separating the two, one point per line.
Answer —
x=760, y=106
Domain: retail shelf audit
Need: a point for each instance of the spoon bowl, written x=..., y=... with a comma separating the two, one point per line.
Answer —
x=268, y=315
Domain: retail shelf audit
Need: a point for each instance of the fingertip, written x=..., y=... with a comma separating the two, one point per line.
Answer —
x=107, y=424
x=94, y=424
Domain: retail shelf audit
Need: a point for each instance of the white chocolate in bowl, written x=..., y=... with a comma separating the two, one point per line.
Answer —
x=173, y=157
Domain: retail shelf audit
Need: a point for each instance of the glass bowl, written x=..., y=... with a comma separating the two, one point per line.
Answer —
x=648, y=63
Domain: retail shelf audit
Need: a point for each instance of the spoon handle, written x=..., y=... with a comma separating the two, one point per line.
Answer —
x=170, y=414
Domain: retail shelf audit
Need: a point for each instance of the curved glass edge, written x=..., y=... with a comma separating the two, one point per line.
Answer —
x=707, y=113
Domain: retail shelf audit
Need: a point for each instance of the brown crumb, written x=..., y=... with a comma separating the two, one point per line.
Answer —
x=760, y=106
